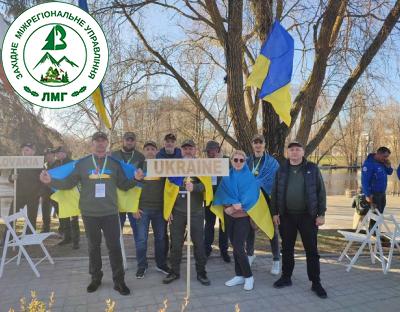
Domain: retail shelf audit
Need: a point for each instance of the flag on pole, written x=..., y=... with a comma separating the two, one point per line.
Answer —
x=272, y=71
x=3, y=79
x=98, y=97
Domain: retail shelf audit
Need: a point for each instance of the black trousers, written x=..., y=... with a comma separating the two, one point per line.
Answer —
x=305, y=224
x=210, y=219
x=70, y=228
x=379, y=203
x=239, y=229
x=177, y=232
x=32, y=204
x=109, y=225
x=47, y=204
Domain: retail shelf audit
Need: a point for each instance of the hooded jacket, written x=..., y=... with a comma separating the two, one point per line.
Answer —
x=374, y=176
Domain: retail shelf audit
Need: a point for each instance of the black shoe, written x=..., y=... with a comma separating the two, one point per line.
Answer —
x=163, y=269
x=170, y=278
x=140, y=273
x=283, y=282
x=202, y=278
x=319, y=290
x=75, y=245
x=65, y=241
x=94, y=284
x=226, y=257
x=122, y=289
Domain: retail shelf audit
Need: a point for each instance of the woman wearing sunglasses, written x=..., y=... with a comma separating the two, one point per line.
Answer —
x=237, y=220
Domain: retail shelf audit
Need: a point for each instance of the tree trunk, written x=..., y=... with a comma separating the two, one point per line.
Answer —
x=234, y=65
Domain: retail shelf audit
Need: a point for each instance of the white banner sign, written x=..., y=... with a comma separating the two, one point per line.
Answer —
x=187, y=167
x=20, y=162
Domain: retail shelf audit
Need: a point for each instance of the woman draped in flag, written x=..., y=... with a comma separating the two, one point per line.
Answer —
x=241, y=198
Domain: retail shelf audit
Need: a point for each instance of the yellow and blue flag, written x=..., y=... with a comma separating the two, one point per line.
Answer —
x=241, y=187
x=98, y=96
x=171, y=191
x=272, y=71
x=68, y=200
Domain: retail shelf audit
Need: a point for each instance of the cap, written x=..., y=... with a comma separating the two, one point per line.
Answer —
x=99, y=135
x=294, y=143
x=188, y=142
x=129, y=135
x=211, y=145
x=258, y=137
x=152, y=143
x=28, y=144
x=170, y=136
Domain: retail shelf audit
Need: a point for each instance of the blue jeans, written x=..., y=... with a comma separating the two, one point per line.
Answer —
x=132, y=222
x=158, y=225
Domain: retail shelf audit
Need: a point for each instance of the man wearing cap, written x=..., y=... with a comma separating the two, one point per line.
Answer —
x=264, y=167
x=28, y=187
x=169, y=150
x=213, y=151
x=69, y=227
x=47, y=203
x=298, y=203
x=178, y=219
x=129, y=155
x=99, y=176
x=151, y=205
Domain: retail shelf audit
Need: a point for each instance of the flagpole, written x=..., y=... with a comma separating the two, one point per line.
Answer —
x=188, y=245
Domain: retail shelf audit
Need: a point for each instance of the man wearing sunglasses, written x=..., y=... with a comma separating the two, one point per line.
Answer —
x=264, y=167
x=213, y=151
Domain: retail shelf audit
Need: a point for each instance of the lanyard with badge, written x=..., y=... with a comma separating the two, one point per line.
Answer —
x=255, y=168
x=100, y=188
x=130, y=159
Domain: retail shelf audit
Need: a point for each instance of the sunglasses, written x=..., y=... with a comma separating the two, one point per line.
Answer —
x=236, y=160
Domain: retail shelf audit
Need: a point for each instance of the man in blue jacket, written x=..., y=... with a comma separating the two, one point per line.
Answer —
x=374, y=174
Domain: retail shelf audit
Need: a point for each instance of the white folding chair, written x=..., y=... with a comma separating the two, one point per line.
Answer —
x=392, y=233
x=372, y=237
x=23, y=240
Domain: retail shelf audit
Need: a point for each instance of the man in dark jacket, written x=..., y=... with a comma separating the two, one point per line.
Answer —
x=298, y=203
x=169, y=150
x=213, y=151
x=374, y=174
x=28, y=187
x=99, y=177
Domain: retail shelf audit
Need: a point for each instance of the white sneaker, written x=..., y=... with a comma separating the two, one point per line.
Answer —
x=237, y=280
x=251, y=259
x=276, y=268
x=248, y=283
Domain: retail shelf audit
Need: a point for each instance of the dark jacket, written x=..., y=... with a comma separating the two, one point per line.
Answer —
x=135, y=158
x=162, y=154
x=315, y=193
x=374, y=176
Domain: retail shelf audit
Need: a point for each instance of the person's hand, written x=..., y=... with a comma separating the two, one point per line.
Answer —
x=45, y=177
x=276, y=220
x=170, y=219
x=237, y=207
x=139, y=175
x=369, y=199
x=320, y=221
x=137, y=215
x=388, y=163
x=189, y=186
x=229, y=210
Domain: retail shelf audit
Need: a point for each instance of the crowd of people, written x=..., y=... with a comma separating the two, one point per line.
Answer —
x=294, y=191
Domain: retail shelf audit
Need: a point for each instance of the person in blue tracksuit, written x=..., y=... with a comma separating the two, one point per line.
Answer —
x=374, y=174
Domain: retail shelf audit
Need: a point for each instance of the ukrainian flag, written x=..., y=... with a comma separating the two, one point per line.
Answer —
x=98, y=97
x=171, y=191
x=68, y=200
x=241, y=187
x=272, y=71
